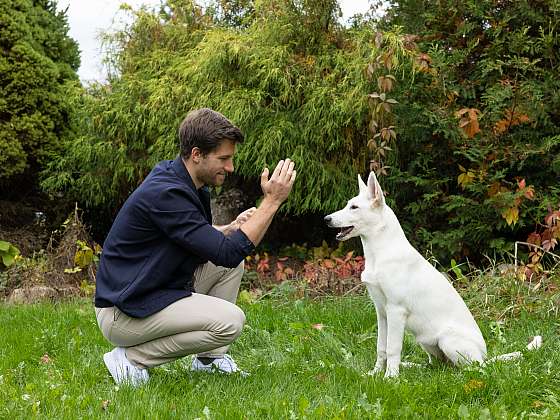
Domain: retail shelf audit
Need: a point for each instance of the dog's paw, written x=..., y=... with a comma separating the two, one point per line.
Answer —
x=391, y=373
x=375, y=371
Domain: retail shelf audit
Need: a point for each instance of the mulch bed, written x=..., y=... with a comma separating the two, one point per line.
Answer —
x=46, y=271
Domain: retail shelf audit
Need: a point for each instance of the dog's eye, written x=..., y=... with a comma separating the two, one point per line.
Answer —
x=353, y=207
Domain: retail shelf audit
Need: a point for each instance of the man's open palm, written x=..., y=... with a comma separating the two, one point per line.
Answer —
x=280, y=183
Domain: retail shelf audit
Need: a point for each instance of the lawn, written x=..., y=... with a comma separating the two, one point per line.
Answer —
x=307, y=359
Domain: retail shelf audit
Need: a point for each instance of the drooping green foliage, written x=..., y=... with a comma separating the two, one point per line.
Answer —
x=455, y=104
x=291, y=80
x=37, y=60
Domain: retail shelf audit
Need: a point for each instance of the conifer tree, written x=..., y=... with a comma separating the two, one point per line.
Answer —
x=37, y=60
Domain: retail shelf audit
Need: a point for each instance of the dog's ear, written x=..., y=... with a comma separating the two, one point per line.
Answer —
x=362, y=184
x=375, y=191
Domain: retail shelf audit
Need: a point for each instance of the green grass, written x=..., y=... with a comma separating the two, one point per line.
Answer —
x=297, y=371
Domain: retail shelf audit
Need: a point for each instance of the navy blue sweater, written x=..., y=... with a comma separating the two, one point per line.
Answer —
x=161, y=234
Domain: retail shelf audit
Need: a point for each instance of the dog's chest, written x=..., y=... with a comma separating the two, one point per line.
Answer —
x=374, y=287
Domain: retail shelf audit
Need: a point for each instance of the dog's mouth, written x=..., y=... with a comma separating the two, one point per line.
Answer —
x=344, y=232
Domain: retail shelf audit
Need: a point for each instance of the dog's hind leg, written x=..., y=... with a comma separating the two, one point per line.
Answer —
x=460, y=351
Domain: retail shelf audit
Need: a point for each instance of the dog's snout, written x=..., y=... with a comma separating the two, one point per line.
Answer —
x=328, y=219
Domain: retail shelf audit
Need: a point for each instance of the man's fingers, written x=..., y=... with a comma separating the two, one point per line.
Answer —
x=285, y=168
x=278, y=168
x=264, y=176
x=293, y=178
x=290, y=170
x=248, y=213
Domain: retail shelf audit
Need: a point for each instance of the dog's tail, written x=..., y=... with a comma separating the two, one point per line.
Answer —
x=535, y=343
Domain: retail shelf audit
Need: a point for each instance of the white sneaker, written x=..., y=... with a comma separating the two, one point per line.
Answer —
x=122, y=370
x=224, y=364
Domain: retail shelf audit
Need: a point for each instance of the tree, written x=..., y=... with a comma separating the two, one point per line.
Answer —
x=37, y=61
x=289, y=80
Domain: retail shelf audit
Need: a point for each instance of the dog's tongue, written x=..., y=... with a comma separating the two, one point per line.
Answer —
x=344, y=231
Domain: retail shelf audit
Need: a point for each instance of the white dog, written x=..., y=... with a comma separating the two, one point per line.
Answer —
x=408, y=292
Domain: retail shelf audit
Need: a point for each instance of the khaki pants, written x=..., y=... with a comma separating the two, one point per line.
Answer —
x=205, y=323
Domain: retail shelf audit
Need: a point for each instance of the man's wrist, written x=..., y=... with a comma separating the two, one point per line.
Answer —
x=270, y=204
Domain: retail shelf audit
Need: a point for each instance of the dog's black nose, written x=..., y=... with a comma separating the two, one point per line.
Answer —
x=327, y=219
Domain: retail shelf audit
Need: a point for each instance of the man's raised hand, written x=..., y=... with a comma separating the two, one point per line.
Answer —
x=276, y=190
x=278, y=187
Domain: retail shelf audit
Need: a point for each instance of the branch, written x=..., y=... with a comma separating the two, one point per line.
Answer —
x=532, y=245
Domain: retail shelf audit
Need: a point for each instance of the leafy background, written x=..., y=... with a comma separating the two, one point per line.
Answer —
x=454, y=104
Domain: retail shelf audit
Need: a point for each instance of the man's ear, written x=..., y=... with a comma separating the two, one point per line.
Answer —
x=361, y=184
x=196, y=155
x=375, y=191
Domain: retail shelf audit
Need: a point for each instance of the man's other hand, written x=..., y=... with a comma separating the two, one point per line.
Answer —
x=243, y=217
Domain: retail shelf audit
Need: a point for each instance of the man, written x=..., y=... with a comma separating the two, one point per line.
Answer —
x=168, y=280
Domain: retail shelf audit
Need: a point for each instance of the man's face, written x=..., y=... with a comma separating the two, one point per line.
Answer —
x=214, y=166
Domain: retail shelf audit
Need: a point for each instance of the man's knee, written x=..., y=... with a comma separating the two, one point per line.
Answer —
x=236, y=322
x=239, y=320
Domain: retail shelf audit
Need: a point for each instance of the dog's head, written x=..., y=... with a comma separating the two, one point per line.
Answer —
x=362, y=213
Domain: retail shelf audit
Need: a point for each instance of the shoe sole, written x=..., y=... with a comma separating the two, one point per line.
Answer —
x=216, y=370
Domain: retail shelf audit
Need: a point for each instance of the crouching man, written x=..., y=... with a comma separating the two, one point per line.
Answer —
x=168, y=280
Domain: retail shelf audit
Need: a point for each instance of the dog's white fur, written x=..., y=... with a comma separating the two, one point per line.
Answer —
x=408, y=292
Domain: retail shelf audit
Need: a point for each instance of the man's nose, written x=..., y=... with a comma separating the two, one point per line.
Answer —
x=229, y=167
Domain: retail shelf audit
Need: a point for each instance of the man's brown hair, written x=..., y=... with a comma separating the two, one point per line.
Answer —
x=206, y=129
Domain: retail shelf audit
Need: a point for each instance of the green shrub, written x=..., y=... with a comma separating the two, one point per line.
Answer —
x=38, y=60
x=476, y=159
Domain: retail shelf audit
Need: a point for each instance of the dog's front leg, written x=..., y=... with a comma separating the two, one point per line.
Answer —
x=396, y=320
x=381, y=340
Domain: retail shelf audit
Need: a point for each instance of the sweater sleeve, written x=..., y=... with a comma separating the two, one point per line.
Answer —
x=177, y=215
